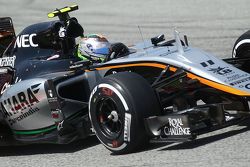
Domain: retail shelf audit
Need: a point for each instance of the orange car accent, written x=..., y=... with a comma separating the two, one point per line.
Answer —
x=215, y=85
x=133, y=65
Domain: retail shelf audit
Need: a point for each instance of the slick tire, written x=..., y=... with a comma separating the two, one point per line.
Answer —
x=242, y=46
x=117, y=108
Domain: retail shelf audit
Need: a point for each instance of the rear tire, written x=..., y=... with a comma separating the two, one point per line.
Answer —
x=117, y=108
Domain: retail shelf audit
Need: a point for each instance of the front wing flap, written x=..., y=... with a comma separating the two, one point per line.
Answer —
x=170, y=127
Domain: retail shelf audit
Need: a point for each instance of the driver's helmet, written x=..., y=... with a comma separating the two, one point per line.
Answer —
x=93, y=46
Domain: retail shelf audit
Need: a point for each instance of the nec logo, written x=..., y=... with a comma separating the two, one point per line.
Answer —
x=25, y=41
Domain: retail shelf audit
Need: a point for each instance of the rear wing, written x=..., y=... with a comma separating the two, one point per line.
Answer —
x=7, y=33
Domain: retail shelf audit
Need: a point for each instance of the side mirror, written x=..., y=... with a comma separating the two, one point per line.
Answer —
x=157, y=39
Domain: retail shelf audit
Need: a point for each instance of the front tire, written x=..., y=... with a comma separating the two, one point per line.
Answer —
x=242, y=46
x=117, y=108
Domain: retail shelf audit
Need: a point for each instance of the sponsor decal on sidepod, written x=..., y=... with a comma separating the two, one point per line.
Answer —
x=19, y=103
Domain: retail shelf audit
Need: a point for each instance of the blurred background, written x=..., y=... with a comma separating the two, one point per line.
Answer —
x=212, y=25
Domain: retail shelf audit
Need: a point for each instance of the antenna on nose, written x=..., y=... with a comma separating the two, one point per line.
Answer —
x=143, y=40
x=178, y=42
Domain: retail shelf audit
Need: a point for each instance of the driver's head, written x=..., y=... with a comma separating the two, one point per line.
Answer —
x=94, y=46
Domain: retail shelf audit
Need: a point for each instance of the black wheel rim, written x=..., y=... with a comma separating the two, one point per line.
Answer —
x=109, y=118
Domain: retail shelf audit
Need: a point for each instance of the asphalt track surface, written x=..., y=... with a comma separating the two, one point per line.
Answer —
x=212, y=25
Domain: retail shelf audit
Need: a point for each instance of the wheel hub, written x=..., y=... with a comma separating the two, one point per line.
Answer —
x=113, y=116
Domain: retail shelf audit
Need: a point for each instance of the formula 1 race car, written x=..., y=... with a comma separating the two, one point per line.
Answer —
x=158, y=90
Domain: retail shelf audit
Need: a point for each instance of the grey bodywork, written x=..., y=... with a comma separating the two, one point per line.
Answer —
x=189, y=59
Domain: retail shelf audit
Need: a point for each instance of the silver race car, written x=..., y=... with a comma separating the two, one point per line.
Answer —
x=157, y=90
